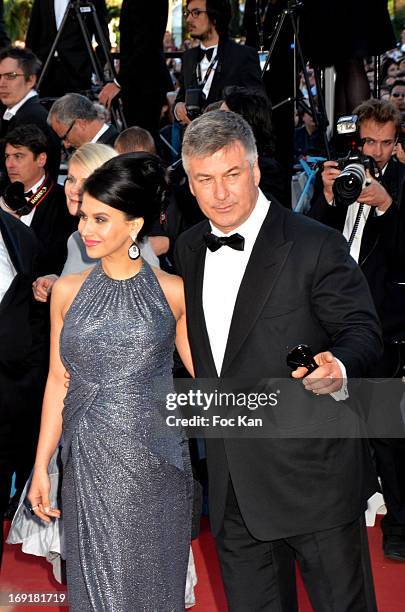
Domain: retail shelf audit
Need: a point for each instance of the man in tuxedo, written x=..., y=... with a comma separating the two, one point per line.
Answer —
x=218, y=61
x=18, y=252
x=45, y=211
x=75, y=120
x=143, y=79
x=70, y=68
x=19, y=70
x=260, y=280
x=374, y=227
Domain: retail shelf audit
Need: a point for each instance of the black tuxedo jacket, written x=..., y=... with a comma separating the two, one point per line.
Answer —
x=237, y=65
x=71, y=49
x=109, y=137
x=33, y=112
x=15, y=307
x=52, y=225
x=300, y=286
x=382, y=251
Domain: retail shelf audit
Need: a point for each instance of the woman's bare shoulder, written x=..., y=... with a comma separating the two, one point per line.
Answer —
x=67, y=287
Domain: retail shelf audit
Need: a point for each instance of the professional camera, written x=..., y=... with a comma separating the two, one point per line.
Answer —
x=352, y=180
x=194, y=100
x=15, y=200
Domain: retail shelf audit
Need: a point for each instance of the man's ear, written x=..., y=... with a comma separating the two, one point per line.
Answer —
x=256, y=172
x=32, y=80
x=41, y=159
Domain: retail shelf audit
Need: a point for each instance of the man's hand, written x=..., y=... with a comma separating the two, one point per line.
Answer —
x=42, y=287
x=326, y=379
x=180, y=112
x=108, y=93
x=329, y=174
x=375, y=195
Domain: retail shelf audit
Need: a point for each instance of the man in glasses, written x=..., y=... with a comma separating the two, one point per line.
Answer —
x=217, y=62
x=19, y=69
x=375, y=229
x=76, y=121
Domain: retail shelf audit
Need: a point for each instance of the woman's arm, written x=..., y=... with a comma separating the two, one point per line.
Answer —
x=173, y=289
x=51, y=419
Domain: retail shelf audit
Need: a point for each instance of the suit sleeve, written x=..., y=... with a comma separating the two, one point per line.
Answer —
x=102, y=15
x=342, y=302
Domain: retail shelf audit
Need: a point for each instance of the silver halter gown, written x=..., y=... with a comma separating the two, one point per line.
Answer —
x=127, y=484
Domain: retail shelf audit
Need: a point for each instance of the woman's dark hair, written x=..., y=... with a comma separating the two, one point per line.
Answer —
x=255, y=108
x=134, y=183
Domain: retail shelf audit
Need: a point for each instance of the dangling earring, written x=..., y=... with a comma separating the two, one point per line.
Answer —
x=133, y=251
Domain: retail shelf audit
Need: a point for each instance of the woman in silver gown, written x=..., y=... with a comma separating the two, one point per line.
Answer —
x=127, y=484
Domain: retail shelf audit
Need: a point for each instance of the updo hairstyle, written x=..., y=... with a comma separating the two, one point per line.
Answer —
x=134, y=183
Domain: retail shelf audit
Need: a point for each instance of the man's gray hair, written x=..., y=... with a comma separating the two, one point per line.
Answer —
x=216, y=130
x=72, y=106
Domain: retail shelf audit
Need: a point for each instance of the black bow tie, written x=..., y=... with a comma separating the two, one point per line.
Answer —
x=205, y=53
x=236, y=241
x=29, y=194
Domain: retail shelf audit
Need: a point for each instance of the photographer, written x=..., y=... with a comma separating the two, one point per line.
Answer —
x=374, y=225
x=216, y=63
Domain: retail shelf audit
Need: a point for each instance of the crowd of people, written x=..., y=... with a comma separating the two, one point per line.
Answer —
x=172, y=249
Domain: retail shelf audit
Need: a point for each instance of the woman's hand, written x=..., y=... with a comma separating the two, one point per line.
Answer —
x=38, y=496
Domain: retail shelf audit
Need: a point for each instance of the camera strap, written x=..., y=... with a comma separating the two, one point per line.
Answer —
x=39, y=196
x=356, y=225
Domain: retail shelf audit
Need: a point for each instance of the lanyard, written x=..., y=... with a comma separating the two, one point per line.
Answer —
x=211, y=67
x=46, y=186
x=261, y=14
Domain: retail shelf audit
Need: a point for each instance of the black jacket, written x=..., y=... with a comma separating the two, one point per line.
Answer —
x=300, y=286
x=237, y=65
x=52, y=225
x=72, y=50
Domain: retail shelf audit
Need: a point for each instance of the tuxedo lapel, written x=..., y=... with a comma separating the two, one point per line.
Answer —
x=216, y=87
x=195, y=313
x=264, y=267
x=52, y=18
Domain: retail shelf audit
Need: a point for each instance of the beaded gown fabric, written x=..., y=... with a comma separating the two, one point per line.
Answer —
x=127, y=484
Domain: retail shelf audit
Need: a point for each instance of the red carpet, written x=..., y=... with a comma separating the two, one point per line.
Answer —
x=25, y=573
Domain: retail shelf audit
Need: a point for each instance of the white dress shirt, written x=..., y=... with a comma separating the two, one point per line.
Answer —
x=60, y=9
x=27, y=219
x=10, y=112
x=7, y=270
x=223, y=273
x=204, y=65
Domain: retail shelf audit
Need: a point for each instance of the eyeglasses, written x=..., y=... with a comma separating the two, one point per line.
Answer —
x=195, y=13
x=398, y=94
x=11, y=76
x=64, y=137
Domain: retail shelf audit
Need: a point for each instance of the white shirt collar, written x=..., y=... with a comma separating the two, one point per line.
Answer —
x=37, y=185
x=60, y=9
x=10, y=112
x=101, y=131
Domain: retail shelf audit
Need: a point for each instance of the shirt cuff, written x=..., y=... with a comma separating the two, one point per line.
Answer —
x=343, y=393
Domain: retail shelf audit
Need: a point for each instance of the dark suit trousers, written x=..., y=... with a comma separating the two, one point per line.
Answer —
x=259, y=576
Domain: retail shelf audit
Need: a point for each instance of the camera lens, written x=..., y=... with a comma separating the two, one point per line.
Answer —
x=349, y=184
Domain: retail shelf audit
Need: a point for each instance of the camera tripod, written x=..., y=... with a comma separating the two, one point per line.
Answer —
x=290, y=13
x=79, y=7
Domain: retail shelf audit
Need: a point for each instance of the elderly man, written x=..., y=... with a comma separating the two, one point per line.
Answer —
x=76, y=121
x=260, y=280
x=19, y=69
